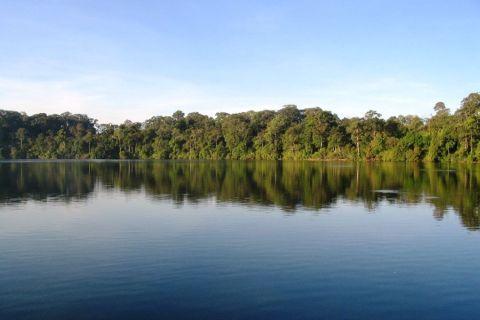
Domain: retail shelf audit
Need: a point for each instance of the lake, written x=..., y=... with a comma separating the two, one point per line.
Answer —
x=238, y=240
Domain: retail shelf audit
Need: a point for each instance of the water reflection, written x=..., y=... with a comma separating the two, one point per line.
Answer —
x=288, y=185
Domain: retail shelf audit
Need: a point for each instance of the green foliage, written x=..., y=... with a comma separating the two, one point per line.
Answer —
x=289, y=133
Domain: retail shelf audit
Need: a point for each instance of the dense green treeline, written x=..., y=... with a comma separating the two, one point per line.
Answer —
x=289, y=133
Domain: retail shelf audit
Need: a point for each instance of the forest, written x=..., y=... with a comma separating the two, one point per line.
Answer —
x=289, y=133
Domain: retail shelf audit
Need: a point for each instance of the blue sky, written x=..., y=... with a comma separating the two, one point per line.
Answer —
x=117, y=60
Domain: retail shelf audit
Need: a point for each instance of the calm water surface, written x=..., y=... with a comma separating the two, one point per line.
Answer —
x=238, y=240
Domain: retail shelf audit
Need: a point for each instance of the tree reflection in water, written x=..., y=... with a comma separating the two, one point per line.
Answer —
x=288, y=185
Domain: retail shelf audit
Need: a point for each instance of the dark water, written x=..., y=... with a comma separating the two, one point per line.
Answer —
x=238, y=240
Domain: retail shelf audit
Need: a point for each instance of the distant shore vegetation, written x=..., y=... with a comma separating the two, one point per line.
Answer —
x=289, y=134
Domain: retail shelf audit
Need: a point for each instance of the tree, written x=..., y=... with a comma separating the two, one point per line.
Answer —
x=440, y=108
x=356, y=130
x=288, y=133
x=319, y=125
x=468, y=116
x=21, y=136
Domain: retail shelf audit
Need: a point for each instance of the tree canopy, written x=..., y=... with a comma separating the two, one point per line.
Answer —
x=289, y=133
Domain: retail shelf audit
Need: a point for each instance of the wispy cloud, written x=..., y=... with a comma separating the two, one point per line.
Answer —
x=112, y=97
x=41, y=96
x=389, y=95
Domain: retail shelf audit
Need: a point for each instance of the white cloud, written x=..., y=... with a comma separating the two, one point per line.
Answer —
x=110, y=98
x=389, y=96
x=114, y=97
